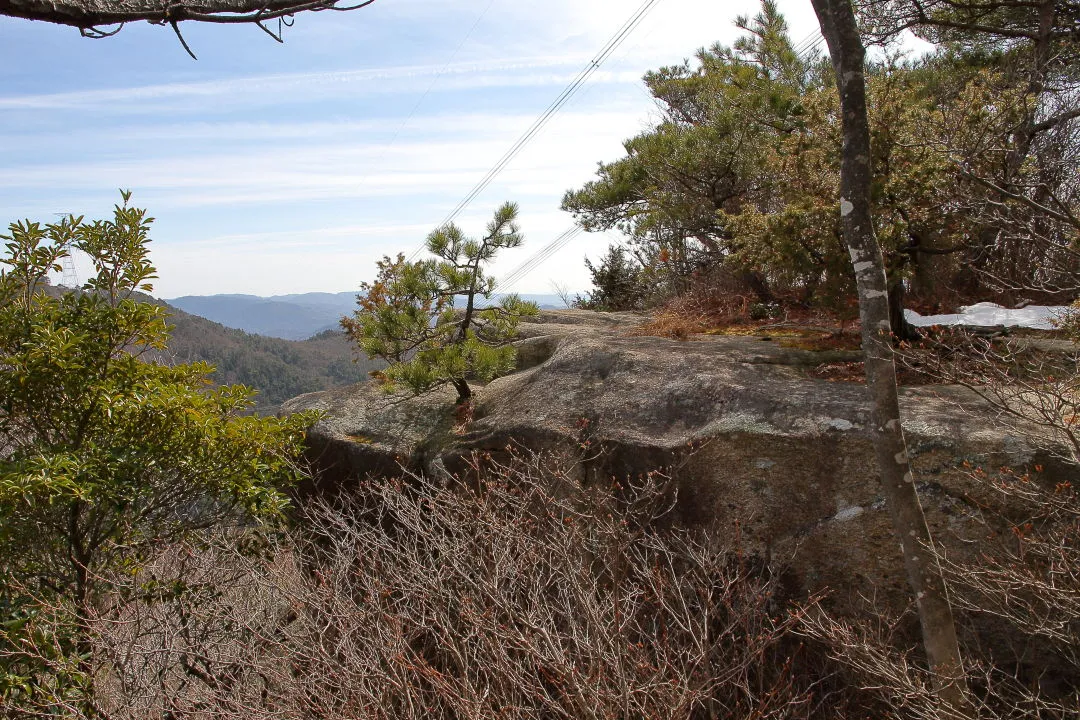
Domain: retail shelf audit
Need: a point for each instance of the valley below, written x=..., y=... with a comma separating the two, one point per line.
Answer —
x=278, y=369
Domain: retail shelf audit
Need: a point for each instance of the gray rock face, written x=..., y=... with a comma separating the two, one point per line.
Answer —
x=752, y=445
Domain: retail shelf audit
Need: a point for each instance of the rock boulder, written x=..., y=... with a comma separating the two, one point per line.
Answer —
x=752, y=444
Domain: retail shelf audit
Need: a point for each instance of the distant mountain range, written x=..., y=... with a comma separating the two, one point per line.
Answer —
x=290, y=317
x=278, y=369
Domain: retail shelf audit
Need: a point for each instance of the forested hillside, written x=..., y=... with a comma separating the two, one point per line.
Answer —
x=298, y=316
x=278, y=369
x=291, y=317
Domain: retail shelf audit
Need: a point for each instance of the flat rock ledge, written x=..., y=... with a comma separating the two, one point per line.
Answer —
x=754, y=447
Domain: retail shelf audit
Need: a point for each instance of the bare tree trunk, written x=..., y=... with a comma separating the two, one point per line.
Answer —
x=464, y=392
x=841, y=32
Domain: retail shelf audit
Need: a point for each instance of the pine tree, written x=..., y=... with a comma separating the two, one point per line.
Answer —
x=409, y=316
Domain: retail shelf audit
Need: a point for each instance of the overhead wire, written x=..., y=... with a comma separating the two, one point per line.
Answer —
x=539, y=257
x=803, y=48
x=613, y=43
x=438, y=76
x=807, y=46
x=553, y=247
x=551, y=110
x=803, y=45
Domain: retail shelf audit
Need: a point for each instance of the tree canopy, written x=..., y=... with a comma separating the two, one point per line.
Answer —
x=103, y=18
x=972, y=193
x=88, y=14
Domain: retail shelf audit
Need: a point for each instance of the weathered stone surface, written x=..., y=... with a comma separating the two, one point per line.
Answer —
x=752, y=444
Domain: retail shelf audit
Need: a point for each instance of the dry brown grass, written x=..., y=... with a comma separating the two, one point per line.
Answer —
x=722, y=305
x=708, y=304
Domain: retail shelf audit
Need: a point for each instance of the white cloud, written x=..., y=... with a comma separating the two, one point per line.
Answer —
x=449, y=162
x=270, y=182
x=295, y=87
x=338, y=259
x=307, y=238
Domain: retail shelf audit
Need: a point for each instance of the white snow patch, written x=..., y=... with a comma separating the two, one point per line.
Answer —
x=849, y=513
x=989, y=314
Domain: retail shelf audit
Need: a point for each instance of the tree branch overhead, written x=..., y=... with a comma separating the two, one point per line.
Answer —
x=89, y=14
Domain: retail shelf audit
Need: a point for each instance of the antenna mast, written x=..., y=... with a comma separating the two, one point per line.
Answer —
x=70, y=278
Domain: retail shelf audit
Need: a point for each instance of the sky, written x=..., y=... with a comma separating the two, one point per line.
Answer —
x=285, y=168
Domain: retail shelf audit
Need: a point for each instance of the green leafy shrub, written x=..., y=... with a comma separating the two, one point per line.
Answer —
x=617, y=283
x=104, y=455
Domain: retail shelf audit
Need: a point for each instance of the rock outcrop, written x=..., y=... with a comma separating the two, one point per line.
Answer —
x=752, y=444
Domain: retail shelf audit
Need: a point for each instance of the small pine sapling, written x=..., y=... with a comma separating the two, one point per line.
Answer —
x=410, y=316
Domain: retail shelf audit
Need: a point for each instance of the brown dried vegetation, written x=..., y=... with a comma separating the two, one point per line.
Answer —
x=525, y=596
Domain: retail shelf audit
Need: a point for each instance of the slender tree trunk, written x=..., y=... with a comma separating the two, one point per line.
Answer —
x=841, y=32
x=464, y=392
x=79, y=560
x=901, y=328
x=758, y=284
x=461, y=384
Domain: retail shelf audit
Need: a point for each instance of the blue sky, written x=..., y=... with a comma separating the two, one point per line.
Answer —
x=291, y=168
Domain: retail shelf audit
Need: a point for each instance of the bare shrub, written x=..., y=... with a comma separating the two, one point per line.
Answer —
x=524, y=595
x=880, y=665
x=529, y=597
x=192, y=633
x=184, y=634
x=1019, y=593
x=1031, y=384
x=713, y=300
x=873, y=661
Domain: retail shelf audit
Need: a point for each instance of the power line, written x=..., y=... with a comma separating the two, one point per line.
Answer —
x=612, y=44
x=431, y=85
x=805, y=47
x=539, y=257
x=435, y=79
x=552, y=109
